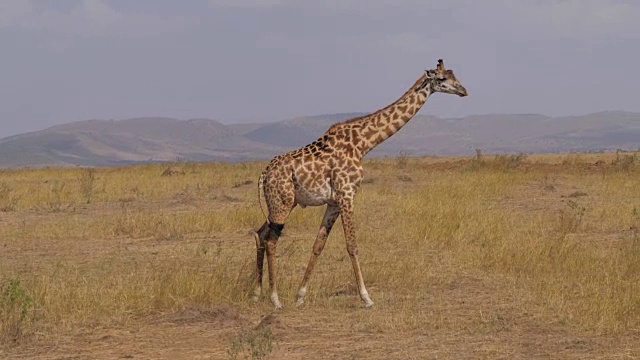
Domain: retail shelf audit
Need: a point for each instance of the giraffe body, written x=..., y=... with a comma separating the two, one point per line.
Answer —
x=329, y=172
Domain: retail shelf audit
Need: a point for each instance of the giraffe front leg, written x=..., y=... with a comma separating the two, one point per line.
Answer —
x=352, y=248
x=330, y=216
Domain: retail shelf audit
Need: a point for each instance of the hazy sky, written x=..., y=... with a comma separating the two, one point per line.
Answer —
x=252, y=60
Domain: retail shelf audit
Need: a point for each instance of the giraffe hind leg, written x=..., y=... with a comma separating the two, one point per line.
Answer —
x=273, y=234
x=276, y=228
x=259, y=236
x=266, y=242
x=330, y=216
x=280, y=199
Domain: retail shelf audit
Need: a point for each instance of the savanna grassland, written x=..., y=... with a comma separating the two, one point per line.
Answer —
x=466, y=258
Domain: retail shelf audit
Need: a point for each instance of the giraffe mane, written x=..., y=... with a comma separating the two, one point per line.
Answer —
x=363, y=117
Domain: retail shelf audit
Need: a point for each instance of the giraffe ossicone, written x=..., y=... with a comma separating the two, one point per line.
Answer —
x=329, y=172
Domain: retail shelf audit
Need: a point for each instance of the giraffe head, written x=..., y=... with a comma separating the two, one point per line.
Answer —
x=442, y=80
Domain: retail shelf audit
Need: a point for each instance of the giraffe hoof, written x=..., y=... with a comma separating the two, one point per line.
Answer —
x=300, y=301
x=366, y=300
x=276, y=302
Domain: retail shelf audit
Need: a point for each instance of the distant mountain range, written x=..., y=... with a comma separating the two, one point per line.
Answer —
x=109, y=142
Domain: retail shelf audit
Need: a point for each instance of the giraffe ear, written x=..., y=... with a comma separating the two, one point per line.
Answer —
x=427, y=78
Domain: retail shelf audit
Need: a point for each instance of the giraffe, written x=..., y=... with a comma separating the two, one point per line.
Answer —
x=329, y=171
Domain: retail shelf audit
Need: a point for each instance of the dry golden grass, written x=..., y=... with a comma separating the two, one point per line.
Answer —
x=473, y=247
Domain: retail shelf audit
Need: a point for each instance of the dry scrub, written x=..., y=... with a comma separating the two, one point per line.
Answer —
x=107, y=246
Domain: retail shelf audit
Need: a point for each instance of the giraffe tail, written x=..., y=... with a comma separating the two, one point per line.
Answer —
x=260, y=187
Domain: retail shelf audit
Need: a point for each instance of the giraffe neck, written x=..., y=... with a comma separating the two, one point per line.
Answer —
x=380, y=125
